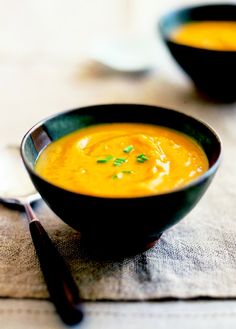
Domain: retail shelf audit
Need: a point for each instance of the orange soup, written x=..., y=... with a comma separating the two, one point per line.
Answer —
x=122, y=160
x=214, y=35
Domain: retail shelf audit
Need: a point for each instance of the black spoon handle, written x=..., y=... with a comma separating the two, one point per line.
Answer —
x=61, y=285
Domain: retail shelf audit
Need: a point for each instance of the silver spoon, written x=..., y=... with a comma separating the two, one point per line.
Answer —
x=16, y=190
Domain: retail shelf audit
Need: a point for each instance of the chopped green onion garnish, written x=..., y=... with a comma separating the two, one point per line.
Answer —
x=117, y=176
x=105, y=160
x=127, y=171
x=128, y=149
x=120, y=174
x=142, y=158
x=119, y=161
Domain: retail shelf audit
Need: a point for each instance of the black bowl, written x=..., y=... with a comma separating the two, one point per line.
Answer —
x=123, y=224
x=212, y=71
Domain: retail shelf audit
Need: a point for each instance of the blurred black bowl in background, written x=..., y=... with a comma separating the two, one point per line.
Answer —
x=212, y=71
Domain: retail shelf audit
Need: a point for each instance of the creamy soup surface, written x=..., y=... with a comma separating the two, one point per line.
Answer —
x=214, y=35
x=122, y=160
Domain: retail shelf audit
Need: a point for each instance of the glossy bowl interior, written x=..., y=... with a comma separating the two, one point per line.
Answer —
x=212, y=71
x=122, y=224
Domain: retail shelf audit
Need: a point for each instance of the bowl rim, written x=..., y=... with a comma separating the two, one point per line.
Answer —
x=211, y=170
x=166, y=37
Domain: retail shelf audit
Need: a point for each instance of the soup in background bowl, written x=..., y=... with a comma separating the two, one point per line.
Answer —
x=121, y=174
x=212, y=35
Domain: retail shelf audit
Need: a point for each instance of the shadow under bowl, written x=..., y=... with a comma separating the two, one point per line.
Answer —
x=212, y=71
x=120, y=225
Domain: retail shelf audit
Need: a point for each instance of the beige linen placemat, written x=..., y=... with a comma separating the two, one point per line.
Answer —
x=194, y=258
